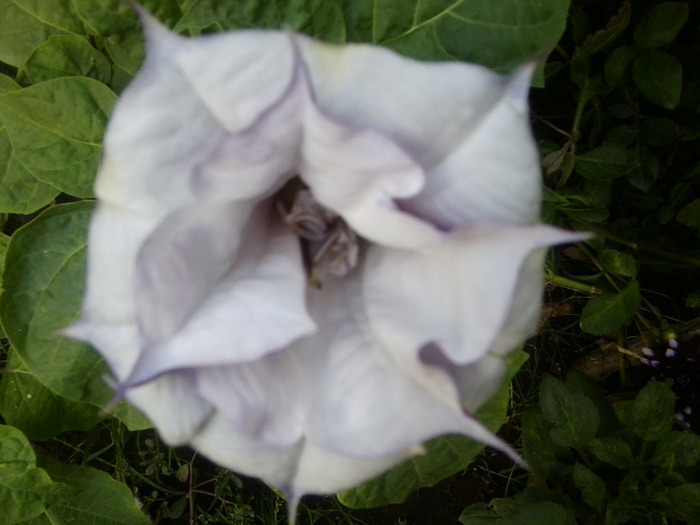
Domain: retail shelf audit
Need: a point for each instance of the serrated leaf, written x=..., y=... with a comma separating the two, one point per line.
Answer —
x=618, y=263
x=659, y=77
x=545, y=458
x=613, y=450
x=96, y=498
x=680, y=448
x=685, y=501
x=651, y=413
x=24, y=489
x=44, y=283
x=606, y=313
x=579, y=382
x=67, y=55
x=661, y=25
x=605, y=162
x=573, y=415
x=40, y=414
x=603, y=38
x=444, y=456
x=592, y=486
x=56, y=128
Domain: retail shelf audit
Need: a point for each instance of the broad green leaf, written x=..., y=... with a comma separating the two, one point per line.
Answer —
x=606, y=313
x=499, y=34
x=96, y=499
x=545, y=458
x=617, y=65
x=659, y=77
x=108, y=17
x=690, y=214
x=651, y=414
x=20, y=191
x=25, y=489
x=57, y=13
x=618, y=263
x=681, y=448
x=31, y=407
x=322, y=19
x=444, y=456
x=685, y=501
x=658, y=131
x=660, y=26
x=613, y=450
x=592, y=487
x=524, y=513
x=44, y=284
x=605, y=162
x=20, y=33
x=573, y=415
x=65, y=56
x=579, y=382
x=55, y=130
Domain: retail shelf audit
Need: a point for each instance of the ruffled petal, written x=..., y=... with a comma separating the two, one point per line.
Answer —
x=458, y=293
x=360, y=399
x=465, y=125
x=236, y=308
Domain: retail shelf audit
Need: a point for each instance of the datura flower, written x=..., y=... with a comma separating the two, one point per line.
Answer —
x=308, y=259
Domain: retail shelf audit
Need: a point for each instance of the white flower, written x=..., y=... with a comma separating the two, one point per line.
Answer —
x=313, y=331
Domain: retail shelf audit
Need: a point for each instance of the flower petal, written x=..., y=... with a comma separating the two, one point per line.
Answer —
x=230, y=297
x=359, y=388
x=464, y=124
x=458, y=293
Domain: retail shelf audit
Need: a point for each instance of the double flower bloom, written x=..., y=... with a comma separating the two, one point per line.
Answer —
x=307, y=259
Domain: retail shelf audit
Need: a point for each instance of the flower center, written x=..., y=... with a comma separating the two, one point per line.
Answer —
x=328, y=244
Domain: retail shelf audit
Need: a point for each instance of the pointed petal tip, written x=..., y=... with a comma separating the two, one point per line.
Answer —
x=292, y=507
x=159, y=38
x=518, y=86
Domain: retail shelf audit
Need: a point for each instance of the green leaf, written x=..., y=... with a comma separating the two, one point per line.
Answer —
x=603, y=38
x=613, y=450
x=96, y=498
x=680, y=448
x=592, y=486
x=618, y=263
x=651, y=415
x=660, y=26
x=21, y=32
x=24, y=489
x=444, y=456
x=31, y=407
x=500, y=35
x=659, y=77
x=573, y=415
x=505, y=512
x=56, y=128
x=322, y=19
x=545, y=458
x=659, y=131
x=606, y=313
x=605, y=162
x=579, y=382
x=685, y=501
x=64, y=56
x=617, y=65
x=20, y=191
x=44, y=284
x=108, y=17
x=690, y=214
